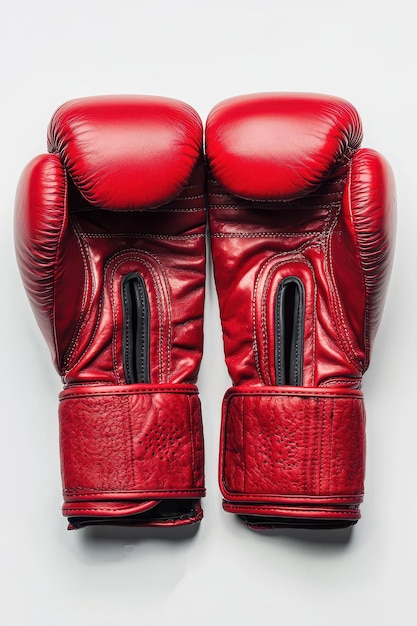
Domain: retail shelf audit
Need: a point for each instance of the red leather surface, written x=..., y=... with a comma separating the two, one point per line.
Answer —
x=131, y=441
x=125, y=152
x=293, y=446
x=279, y=146
x=335, y=235
x=73, y=254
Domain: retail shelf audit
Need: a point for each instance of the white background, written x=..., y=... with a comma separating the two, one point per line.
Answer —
x=52, y=51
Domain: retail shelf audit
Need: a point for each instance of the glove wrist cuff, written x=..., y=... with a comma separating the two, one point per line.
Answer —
x=129, y=444
x=293, y=452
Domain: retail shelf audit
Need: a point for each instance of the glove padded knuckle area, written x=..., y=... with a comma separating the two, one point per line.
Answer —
x=293, y=446
x=127, y=152
x=280, y=146
x=136, y=441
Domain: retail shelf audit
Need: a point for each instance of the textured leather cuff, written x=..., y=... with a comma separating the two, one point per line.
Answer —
x=132, y=442
x=293, y=451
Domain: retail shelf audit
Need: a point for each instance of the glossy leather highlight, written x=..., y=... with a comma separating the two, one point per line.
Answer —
x=121, y=194
x=293, y=197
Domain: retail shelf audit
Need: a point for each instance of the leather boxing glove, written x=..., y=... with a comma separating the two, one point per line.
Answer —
x=302, y=224
x=109, y=230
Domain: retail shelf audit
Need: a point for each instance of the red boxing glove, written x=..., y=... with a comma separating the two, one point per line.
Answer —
x=302, y=224
x=110, y=243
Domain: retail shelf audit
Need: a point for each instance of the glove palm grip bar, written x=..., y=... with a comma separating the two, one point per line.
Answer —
x=135, y=329
x=289, y=332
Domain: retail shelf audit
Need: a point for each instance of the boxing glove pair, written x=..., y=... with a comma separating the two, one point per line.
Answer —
x=110, y=240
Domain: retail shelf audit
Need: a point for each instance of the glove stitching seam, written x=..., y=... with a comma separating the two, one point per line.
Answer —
x=264, y=235
x=89, y=280
x=263, y=509
x=242, y=413
x=345, y=340
x=128, y=412
x=359, y=253
x=295, y=393
x=187, y=391
x=140, y=256
x=92, y=491
x=264, y=338
x=191, y=431
x=282, y=205
x=142, y=236
x=54, y=268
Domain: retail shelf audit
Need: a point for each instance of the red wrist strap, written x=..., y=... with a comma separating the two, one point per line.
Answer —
x=132, y=441
x=293, y=446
